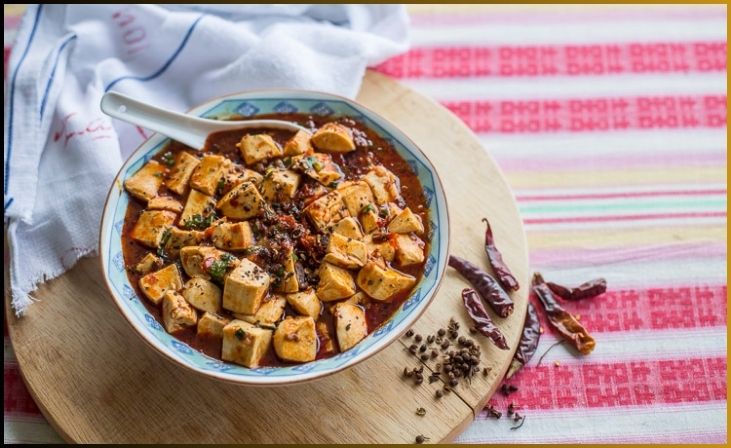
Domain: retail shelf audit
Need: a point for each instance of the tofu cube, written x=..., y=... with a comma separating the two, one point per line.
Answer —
x=350, y=325
x=148, y=263
x=346, y=252
x=179, y=239
x=207, y=174
x=383, y=249
x=323, y=332
x=203, y=294
x=335, y=283
x=177, y=314
x=369, y=219
x=359, y=298
x=197, y=204
x=210, y=325
x=181, y=172
x=356, y=196
x=383, y=283
x=257, y=147
x=409, y=250
x=151, y=226
x=320, y=167
x=269, y=313
x=243, y=202
x=295, y=339
x=232, y=235
x=333, y=137
x=305, y=303
x=145, y=183
x=384, y=184
x=327, y=211
x=156, y=284
x=245, y=288
x=197, y=260
x=165, y=203
x=349, y=228
x=299, y=144
x=237, y=175
x=406, y=222
x=279, y=185
x=244, y=343
x=289, y=281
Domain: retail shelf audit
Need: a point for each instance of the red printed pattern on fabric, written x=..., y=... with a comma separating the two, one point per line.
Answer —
x=630, y=383
x=16, y=398
x=557, y=60
x=592, y=114
x=651, y=309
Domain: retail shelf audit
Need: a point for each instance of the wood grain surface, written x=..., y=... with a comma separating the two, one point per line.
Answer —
x=95, y=380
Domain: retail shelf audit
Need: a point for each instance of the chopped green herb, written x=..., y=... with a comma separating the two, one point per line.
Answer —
x=168, y=159
x=367, y=209
x=240, y=333
x=199, y=222
x=333, y=185
x=163, y=242
x=219, y=267
x=383, y=213
x=220, y=186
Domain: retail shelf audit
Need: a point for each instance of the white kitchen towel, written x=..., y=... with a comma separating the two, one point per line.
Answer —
x=61, y=153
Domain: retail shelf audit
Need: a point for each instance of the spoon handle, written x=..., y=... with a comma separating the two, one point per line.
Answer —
x=181, y=127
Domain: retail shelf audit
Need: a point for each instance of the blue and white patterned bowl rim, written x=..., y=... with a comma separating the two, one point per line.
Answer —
x=249, y=105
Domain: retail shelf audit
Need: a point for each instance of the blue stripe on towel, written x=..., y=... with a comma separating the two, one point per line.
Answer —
x=13, y=78
x=53, y=72
x=167, y=63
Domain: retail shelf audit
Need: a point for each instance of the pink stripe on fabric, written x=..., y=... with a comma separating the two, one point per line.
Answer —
x=559, y=162
x=638, y=217
x=528, y=17
x=571, y=257
x=617, y=384
x=592, y=114
x=558, y=60
x=620, y=194
x=653, y=308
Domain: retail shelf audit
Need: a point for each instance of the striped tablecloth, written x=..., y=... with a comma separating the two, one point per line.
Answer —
x=610, y=124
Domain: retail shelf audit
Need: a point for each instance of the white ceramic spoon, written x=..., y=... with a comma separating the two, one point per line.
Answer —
x=187, y=129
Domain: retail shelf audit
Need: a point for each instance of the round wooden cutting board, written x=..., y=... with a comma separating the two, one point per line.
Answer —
x=97, y=381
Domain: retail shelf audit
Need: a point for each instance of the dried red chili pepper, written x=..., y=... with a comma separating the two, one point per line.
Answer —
x=587, y=290
x=561, y=319
x=528, y=341
x=482, y=320
x=505, y=277
x=485, y=285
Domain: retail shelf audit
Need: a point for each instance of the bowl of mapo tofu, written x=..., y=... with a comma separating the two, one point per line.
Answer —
x=271, y=256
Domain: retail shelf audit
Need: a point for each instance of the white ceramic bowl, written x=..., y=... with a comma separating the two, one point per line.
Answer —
x=249, y=104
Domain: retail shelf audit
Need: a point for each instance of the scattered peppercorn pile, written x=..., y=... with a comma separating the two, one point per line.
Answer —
x=459, y=362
